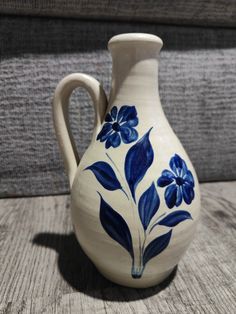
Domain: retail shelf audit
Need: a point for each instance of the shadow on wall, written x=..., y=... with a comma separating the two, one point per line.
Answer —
x=19, y=35
x=81, y=274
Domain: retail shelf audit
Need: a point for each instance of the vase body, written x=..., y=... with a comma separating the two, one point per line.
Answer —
x=135, y=197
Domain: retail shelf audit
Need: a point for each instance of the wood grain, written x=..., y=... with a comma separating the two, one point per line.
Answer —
x=43, y=270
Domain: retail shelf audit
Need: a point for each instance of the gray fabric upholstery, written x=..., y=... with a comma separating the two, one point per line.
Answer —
x=201, y=12
x=197, y=88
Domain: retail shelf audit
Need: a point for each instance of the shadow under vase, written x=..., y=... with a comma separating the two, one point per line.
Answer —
x=80, y=273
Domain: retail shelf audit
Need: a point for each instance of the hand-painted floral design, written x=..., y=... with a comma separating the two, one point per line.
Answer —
x=137, y=161
x=179, y=182
x=119, y=125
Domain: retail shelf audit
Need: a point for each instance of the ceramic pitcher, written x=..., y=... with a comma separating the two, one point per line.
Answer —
x=134, y=194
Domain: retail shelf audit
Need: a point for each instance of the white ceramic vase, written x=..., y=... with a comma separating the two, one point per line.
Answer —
x=134, y=194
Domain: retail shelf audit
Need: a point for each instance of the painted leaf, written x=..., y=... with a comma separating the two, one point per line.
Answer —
x=148, y=205
x=115, y=226
x=175, y=218
x=138, y=159
x=105, y=175
x=156, y=246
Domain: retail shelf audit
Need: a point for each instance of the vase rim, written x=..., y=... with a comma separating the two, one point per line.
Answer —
x=135, y=37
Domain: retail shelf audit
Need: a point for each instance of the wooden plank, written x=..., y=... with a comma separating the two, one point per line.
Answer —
x=42, y=268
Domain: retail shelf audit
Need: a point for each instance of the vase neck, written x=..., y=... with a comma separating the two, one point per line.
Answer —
x=134, y=70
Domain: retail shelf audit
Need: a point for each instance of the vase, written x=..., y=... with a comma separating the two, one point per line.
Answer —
x=135, y=197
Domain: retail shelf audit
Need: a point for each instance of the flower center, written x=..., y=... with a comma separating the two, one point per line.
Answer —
x=179, y=181
x=116, y=126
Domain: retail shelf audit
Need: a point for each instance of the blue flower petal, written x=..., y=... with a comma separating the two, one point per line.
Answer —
x=184, y=169
x=188, y=177
x=113, y=140
x=128, y=135
x=126, y=113
x=114, y=112
x=119, y=125
x=108, y=117
x=166, y=178
x=121, y=112
x=131, y=123
x=174, y=164
x=178, y=165
x=179, y=196
x=188, y=193
x=171, y=195
x=105, y=132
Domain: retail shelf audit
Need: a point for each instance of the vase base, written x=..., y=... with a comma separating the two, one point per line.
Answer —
x=143, y=282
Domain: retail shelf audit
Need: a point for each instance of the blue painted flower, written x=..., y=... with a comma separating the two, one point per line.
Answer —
x=119, y=125
x=179, y=182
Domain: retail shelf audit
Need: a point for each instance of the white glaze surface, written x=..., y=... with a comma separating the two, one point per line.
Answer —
x=134, y=83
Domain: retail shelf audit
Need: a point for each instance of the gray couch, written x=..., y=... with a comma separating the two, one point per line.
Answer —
x=41, y=42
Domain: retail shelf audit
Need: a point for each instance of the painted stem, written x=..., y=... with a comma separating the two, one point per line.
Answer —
x=137, y=269
x=137, y=263
x=125, y=193
x=123, y=190
x=144, y=242
x=155, y=223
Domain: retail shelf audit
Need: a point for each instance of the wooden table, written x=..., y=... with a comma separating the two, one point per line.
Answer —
x=43, y=270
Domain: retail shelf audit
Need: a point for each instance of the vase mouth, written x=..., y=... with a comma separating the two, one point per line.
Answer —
x=135, y=38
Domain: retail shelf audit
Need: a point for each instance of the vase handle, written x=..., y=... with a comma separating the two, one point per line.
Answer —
x=61, y=119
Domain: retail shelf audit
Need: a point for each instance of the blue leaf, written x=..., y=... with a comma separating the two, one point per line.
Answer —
x=156, y=246
x=105, y=175
x=138, y=159
x=148, y=205
x=115, y=226
x=175, y=218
